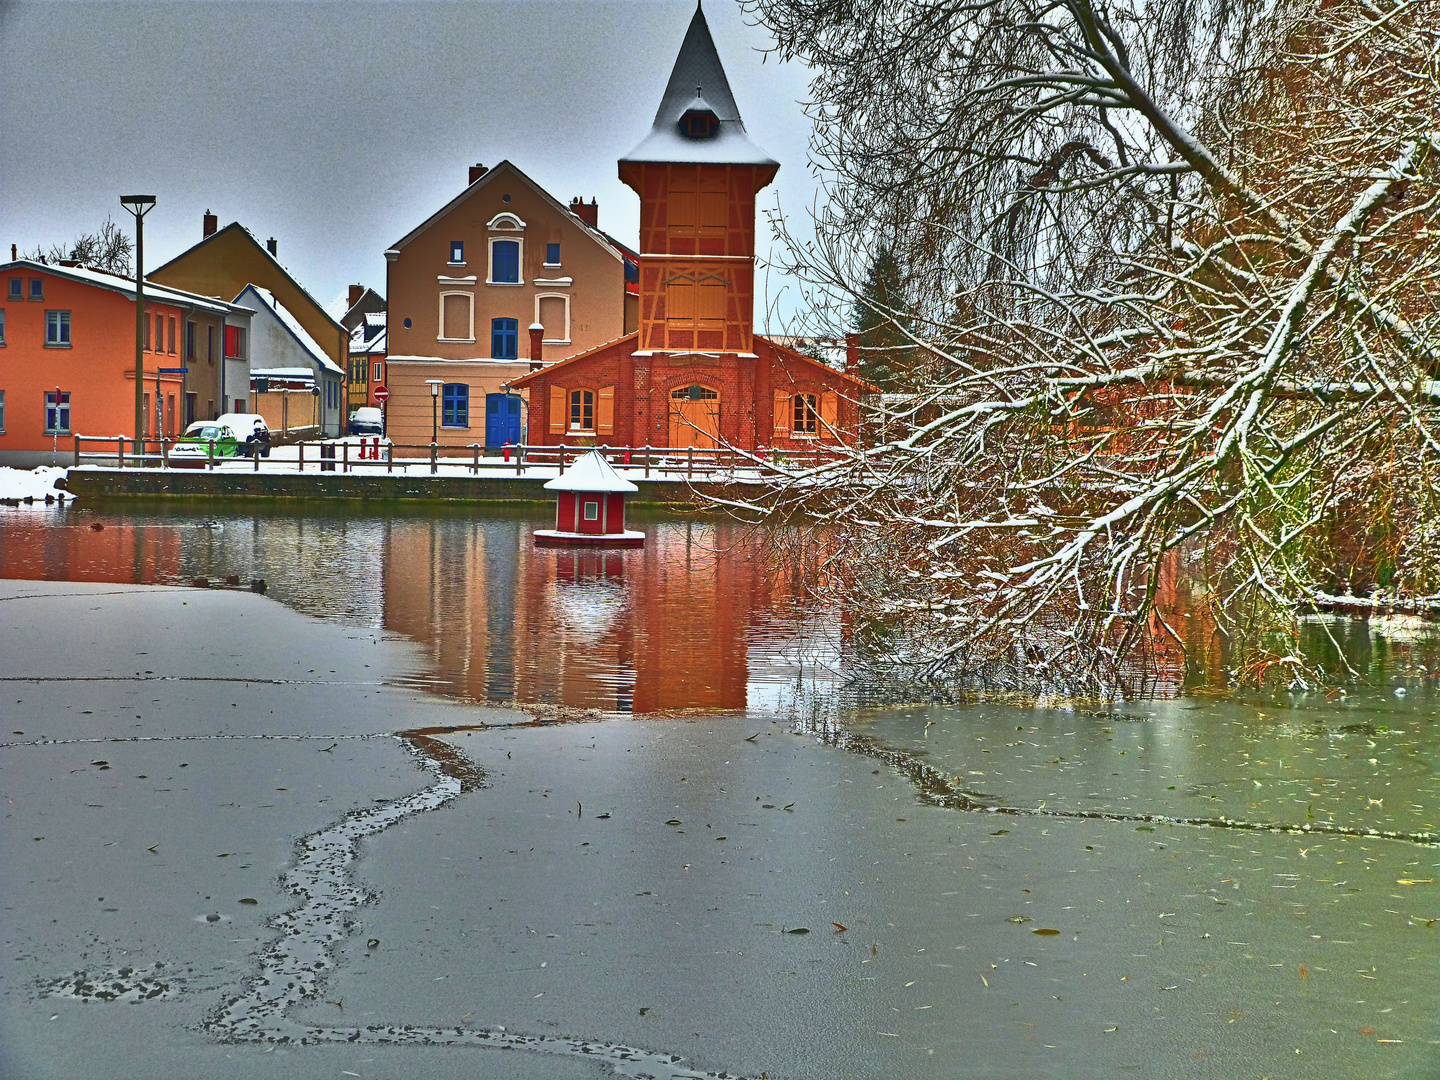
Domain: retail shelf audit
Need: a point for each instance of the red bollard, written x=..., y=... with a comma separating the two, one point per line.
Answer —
x=627, y=456
x=507, y=451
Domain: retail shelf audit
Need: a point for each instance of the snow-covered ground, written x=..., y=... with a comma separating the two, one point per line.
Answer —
x=22, y=483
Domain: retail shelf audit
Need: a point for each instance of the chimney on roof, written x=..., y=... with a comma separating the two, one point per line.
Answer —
x=852, y=355
x=537, y=350
x=590, y=214
x=271, y=246
x=14, y=252
x=356, y=292
x=476, y=171
x=209, y=224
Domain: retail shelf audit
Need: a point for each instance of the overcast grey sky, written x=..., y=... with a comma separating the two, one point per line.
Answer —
x=336, y=128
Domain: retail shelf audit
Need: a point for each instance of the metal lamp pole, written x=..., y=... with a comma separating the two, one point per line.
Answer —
x=435, y=385
x=139, y=205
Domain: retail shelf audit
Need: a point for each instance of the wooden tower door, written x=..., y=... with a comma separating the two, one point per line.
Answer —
x=694, y=418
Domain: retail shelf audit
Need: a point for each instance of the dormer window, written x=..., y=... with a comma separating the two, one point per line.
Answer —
x=699, y=121
x=699, y=124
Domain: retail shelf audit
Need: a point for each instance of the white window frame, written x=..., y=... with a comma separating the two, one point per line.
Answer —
x=554, y=296
x=379, y=372
x=454, y=261
x=470, y=296
x=519, y=261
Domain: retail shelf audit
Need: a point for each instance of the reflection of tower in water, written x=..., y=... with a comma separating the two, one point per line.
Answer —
x=592, y=605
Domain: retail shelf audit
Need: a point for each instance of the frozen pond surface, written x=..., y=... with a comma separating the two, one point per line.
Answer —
x=223, y=856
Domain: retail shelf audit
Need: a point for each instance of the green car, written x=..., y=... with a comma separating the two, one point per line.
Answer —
x=192, y=450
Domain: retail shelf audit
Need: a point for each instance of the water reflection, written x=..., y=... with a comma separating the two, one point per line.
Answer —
x=695, y=620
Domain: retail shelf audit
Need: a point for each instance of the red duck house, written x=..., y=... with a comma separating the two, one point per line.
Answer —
x=590, y=507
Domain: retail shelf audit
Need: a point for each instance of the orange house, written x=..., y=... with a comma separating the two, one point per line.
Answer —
x=695, y=374
x=67, y=358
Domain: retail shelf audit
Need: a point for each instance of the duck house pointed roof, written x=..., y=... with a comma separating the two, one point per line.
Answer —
x=698, y=88
x=591, y=473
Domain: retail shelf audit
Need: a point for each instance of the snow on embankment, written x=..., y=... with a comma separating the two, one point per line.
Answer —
x=27, y=483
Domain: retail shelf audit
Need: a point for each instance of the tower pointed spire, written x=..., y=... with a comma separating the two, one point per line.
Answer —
x=699, y=89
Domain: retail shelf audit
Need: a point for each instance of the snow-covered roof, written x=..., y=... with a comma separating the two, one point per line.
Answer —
x=375, y=318
x=309, y=344
x=284, y=374
x=241, y=230
x=360, y=345
x=698, y=80
x=590, y=473
x=163, y=294
x=522, y=361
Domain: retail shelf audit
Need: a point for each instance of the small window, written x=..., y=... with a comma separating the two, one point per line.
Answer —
x=455, y=405
x=37, y=288
x=147, y=333
x=2, y=412
x=170, y=336
x=235, y=342
x=806, y=420
x=407, y=324
x=592, y=511
x=457, y=251
x=189, y=341
x=582, y=410
x=379, y=372
x=57, y=412
x=552, y=254
x=505, y=262
x=505, y=339
x=2, y=326
x=57, y=329
x=17, y=288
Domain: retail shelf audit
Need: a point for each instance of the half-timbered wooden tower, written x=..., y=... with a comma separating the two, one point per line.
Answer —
x=695, y=373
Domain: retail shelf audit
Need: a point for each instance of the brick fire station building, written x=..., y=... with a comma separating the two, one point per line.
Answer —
x=695, y=373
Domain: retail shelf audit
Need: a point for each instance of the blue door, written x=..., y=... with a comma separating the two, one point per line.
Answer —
x=502, y=420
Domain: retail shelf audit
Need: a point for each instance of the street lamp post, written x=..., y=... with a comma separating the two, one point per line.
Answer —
x=435, y=385
x=139, y=205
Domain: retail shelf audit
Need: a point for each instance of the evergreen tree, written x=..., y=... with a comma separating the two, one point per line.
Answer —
x=886, y=352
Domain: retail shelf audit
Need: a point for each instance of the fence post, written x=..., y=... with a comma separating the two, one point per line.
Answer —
x=689, y=462
x=475, y=464
x=647, y=461
x=390, y=458
x=345, y=459
x=434, y=458
x=210, y=456
x=520, y=460
x=255, y=455
x=301, y=447
x=120, y=457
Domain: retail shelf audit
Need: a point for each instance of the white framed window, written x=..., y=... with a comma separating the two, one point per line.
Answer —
x=57, y=412
x=592, y=511
x=507, y=259
x=457, y=252
x=379, y=372
x=552, y=311
x=2, y=326
x=2, y=412
x=457, y=316
x=57, y=329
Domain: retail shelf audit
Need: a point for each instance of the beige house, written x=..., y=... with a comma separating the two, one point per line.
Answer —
x=501, y=279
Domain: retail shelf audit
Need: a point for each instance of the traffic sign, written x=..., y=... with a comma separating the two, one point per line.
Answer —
x=380, y=393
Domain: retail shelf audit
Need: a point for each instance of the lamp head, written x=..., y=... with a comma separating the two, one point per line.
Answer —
x=434, y=385
x=139, y=205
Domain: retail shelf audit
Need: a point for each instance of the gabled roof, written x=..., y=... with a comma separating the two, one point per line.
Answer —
x=126, y=287
x=591, y=473
x=698, y=82
x=263, y=299
x=525, y=379
x=235, y=228
x=789, y=354
x=370, y=301
x=594, y=234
